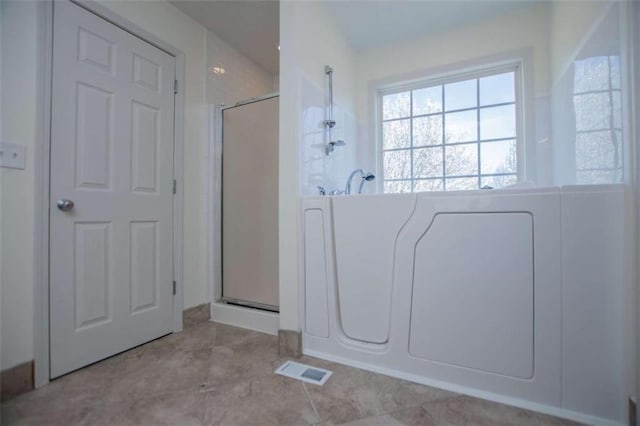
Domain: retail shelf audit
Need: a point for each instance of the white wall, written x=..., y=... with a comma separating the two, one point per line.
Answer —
x=19, y=32
x=507, y=32
x=17, y=123
x=309, y=40
x=570, y=22
x=242, y=79
x=510, y=32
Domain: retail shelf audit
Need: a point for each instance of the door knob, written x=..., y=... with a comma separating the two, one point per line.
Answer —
x=65, y=205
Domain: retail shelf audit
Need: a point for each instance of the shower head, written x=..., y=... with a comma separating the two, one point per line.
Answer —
x=366, y=177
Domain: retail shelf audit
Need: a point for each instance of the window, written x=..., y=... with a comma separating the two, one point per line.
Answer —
x=460, y=134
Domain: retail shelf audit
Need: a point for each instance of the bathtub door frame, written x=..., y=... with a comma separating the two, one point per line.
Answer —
x=41, y=154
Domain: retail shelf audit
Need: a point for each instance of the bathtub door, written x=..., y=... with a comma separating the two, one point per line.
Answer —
x=250, y=204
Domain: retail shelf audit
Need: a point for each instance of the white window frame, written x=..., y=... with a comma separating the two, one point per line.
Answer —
x=519, y=61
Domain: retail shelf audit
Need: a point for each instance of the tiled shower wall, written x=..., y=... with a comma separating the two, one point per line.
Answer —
x=242, y=78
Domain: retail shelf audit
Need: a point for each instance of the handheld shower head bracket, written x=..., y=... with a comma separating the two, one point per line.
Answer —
x=331, y=145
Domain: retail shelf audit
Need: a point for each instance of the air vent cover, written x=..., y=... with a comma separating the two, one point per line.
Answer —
x=306, y=373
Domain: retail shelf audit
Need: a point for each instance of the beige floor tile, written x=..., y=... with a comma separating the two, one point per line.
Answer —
x=196, y=315
x=228, y=335
x=465, y=410
x=415, y=416
x=175, y=371
x=195, y=336
x=53, y=413
x=215, y=374
x=385, y=420
x=66, y=400
x=175, y=408
x=352, y=394
x=246, y=358
x=262, y=400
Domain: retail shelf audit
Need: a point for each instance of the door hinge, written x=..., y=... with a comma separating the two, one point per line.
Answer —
x=174, y=287
x=175, y=87
x=175, y=186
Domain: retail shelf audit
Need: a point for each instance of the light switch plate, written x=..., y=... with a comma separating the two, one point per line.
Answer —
x=12, y=155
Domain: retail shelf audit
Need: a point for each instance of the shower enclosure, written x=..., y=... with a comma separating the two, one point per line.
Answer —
x=249, y=216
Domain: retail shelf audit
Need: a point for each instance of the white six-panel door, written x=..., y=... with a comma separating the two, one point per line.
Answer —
x=112, y=156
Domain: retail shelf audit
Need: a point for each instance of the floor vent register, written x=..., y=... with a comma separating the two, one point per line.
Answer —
x=306, y=373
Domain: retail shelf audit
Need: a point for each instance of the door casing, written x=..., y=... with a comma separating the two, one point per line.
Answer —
x=42, y=171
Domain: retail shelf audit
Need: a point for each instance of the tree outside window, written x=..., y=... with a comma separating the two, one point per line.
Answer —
x=454, y=136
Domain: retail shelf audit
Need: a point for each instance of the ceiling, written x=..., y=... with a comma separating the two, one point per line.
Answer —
x=251, y=27
x=368, y=24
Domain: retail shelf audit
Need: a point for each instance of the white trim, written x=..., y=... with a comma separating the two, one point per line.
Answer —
x=42, y=172
x=41, y=154
x=634, y=137
x=515, y=402
x=239, y=316
x=528, y=116
x=251, y=100
x=178, y=198
x=103, y=12
x=628, y=85
x=213, y=207
x=453, y=74
x=521, y=60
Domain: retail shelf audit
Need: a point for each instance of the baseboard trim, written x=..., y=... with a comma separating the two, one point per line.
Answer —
x=16, y=381
x=290, y=343
x=240, y=316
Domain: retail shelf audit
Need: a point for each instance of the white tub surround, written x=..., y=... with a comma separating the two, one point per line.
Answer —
x=511, y=295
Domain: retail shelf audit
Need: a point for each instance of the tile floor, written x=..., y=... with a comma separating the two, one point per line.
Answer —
x=213, y=374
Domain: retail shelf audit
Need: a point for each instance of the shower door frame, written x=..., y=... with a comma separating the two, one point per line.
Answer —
x=216, y=271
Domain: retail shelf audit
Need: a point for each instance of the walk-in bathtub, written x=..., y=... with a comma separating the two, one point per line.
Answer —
x=524, y=296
